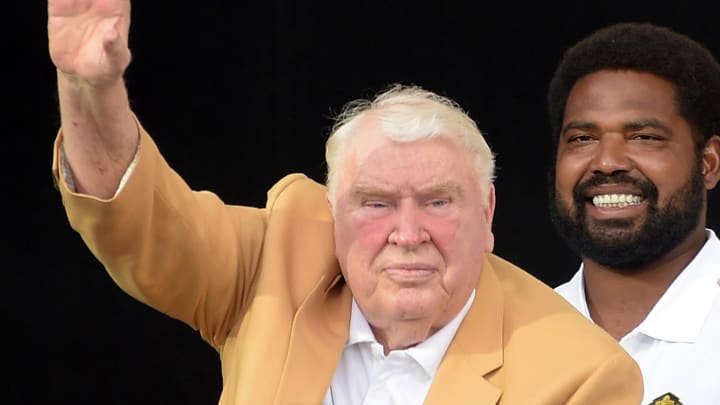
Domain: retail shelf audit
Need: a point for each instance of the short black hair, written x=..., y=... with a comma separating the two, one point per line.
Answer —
x=645, y=47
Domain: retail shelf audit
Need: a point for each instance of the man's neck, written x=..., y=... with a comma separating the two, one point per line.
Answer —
x=619, y=300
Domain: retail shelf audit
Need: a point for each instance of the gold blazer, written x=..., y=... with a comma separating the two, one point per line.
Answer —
x=263, y=287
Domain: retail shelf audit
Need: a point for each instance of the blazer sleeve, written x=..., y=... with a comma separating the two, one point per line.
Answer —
x=180, y=251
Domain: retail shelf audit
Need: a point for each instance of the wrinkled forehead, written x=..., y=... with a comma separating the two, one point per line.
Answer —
x=379, y=162
x=380, y=144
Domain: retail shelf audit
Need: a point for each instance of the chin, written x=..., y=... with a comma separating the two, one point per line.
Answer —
x=411, y=308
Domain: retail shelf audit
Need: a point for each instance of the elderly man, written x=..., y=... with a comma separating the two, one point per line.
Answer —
x=380, y=288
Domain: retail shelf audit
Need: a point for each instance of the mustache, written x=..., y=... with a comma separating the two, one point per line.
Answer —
x=646, y=187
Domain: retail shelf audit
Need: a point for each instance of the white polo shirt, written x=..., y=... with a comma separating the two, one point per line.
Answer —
x=678, y=344
x=403, y=377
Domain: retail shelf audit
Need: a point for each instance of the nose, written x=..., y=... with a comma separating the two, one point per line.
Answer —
x=409, y=231
x=611, y=155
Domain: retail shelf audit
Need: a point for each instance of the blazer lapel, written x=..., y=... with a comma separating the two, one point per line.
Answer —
x=319, y=333
x=476, y=350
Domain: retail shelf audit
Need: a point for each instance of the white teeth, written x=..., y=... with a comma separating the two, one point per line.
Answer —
x=616, y=200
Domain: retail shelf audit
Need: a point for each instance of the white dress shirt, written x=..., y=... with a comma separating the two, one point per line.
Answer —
x=678, y=344
x=366, y=376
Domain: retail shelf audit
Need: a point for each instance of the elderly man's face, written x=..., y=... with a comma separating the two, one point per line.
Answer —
x=411, y=229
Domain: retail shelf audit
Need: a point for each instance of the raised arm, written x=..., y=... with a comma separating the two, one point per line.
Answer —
x=88, y=43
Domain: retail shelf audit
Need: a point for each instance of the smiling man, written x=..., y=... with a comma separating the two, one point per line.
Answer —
x=635, y=110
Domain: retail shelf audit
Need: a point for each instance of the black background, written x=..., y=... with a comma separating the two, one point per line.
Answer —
x=237, y=95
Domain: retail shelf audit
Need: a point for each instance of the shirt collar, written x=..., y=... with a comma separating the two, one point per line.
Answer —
x=680, y=313
x=428, y=353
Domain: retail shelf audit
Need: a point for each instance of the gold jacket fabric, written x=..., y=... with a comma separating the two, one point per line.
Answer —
x=263, y=287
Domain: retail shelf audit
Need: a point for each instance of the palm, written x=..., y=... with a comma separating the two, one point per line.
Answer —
x=88, y=38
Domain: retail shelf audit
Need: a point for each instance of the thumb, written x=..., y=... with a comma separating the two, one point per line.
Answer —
x=115, y=44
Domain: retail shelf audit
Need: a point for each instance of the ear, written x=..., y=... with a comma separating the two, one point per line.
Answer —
x=711, y=162
x=490, y=208
x=489, y=212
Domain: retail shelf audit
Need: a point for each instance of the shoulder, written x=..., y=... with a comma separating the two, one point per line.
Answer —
x=296, y=197
x=298, y=192
x=520, y=284
x=534, y=312
x=542, y=331
x=299, y=240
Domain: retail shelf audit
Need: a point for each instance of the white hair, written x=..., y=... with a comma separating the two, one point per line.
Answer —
x=408, y=114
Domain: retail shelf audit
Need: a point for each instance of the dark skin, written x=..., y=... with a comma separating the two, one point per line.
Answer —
x=625, y=121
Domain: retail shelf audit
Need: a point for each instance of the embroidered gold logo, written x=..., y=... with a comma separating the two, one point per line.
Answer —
x=666, y=399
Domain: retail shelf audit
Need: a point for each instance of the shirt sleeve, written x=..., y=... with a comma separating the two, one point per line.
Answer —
x=67, y=174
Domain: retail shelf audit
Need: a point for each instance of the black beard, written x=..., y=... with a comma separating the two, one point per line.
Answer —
x=615, y=243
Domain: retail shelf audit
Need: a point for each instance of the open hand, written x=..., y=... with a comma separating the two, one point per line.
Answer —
x=88, y=39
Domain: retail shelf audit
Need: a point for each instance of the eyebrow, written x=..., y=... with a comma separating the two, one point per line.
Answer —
x=633, y=125
x=647, y=123
x=448, y=187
